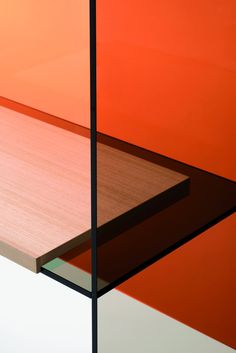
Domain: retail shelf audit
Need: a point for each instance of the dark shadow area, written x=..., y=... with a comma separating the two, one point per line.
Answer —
x=211, y=198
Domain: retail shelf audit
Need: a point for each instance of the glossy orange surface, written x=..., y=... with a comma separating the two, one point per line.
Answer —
x=167, y=78
x=44, y=56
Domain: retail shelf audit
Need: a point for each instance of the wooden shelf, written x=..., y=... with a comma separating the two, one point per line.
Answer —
x=45, y=188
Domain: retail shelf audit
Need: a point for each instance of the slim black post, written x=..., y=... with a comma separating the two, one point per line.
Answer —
x=93, y=137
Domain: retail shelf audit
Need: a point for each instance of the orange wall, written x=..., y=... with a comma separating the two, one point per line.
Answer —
x=167, y=78
x=44, y=56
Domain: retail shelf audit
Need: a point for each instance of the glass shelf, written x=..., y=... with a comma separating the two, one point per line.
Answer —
x=124, y=252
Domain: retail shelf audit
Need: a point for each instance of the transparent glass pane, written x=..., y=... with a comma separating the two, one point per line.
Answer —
x=165, y=117
x=161, y=116
x=45, y=135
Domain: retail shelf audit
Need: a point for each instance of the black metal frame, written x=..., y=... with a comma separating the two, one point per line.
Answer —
x=93, y=139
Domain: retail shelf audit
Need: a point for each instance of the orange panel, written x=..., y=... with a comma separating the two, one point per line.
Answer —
x=167, y=82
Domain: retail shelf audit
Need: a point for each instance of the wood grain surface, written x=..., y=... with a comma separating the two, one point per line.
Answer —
x=45, y=195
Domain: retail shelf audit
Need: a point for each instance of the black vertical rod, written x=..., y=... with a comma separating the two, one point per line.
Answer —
x=93, y=137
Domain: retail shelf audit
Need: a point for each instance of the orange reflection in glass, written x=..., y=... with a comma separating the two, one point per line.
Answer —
x=44, y=56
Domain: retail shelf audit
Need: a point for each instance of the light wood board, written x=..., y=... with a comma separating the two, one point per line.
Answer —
x=45, y=192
